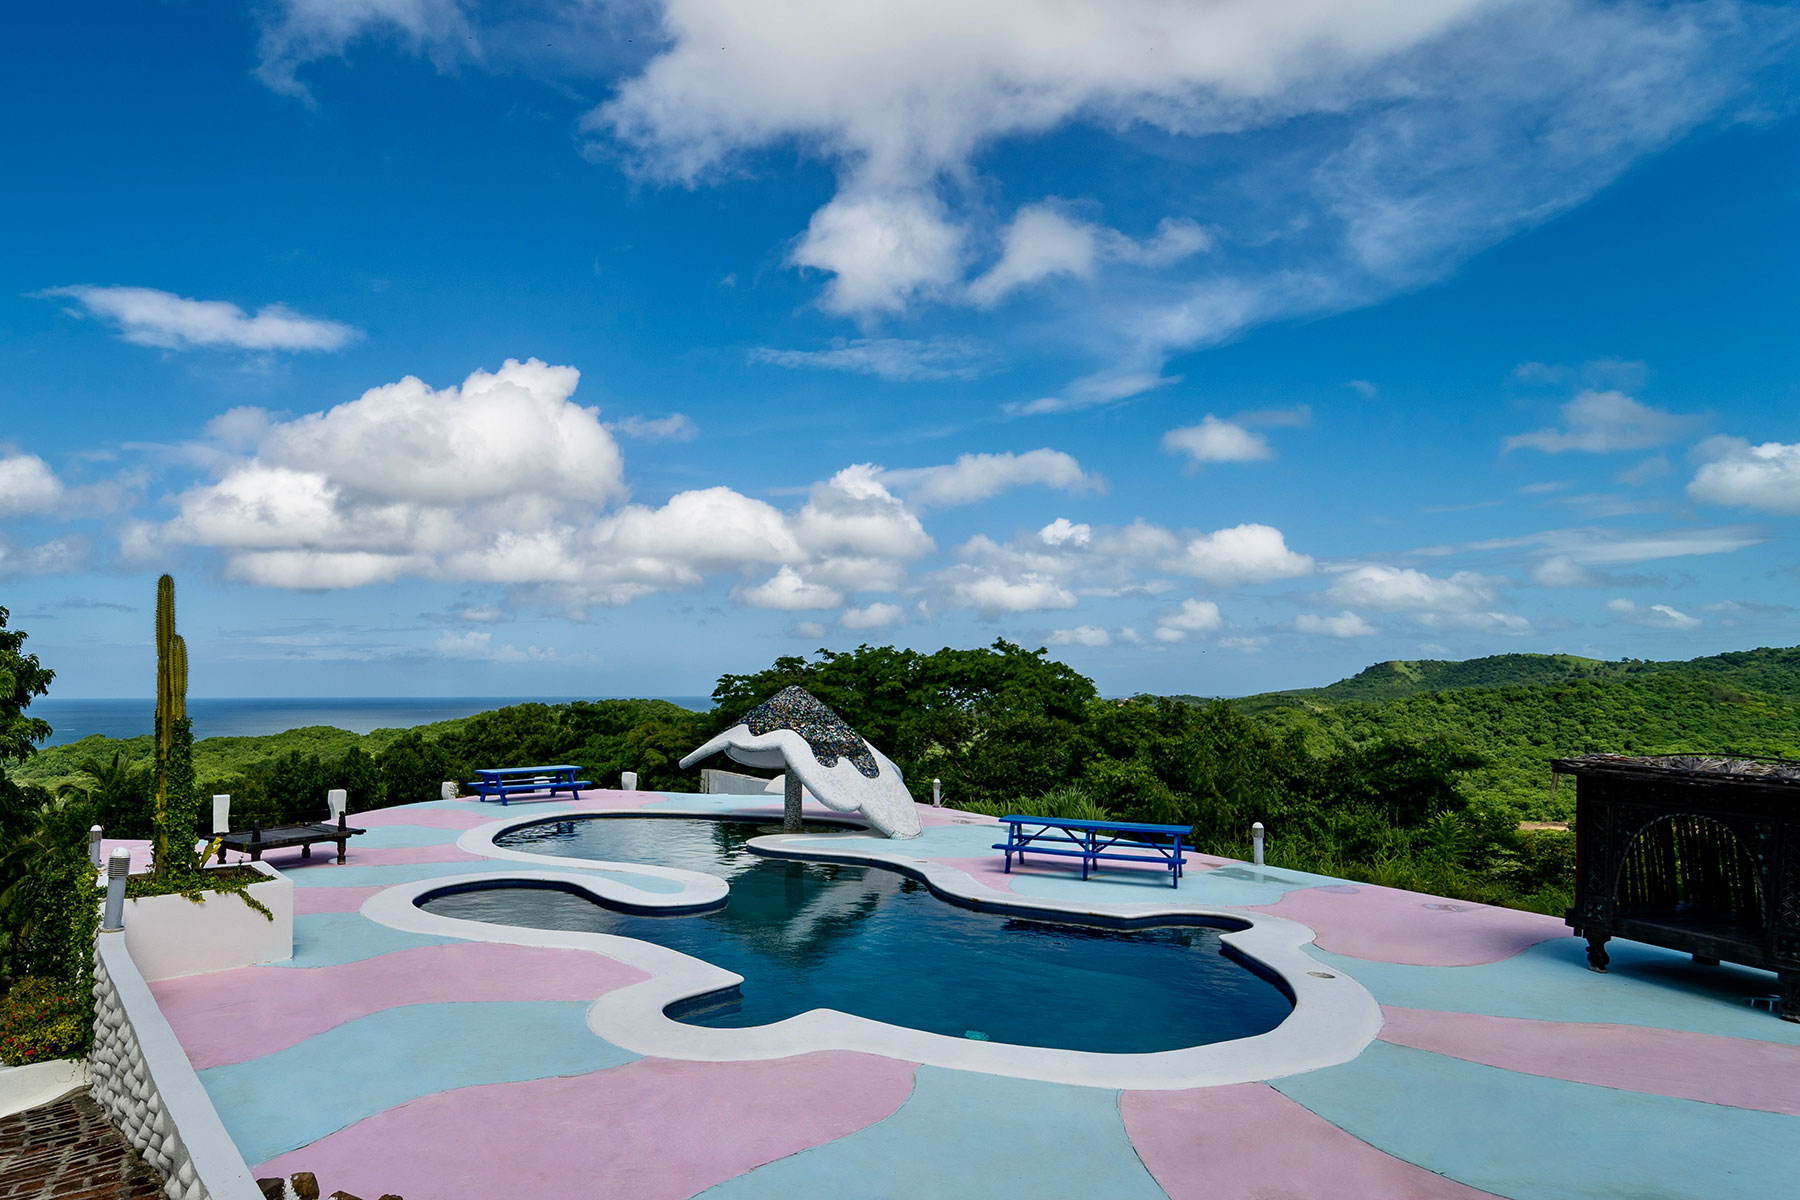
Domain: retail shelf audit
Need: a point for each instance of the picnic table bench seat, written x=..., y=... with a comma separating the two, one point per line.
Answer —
x=501, y=782
x=1091, y=841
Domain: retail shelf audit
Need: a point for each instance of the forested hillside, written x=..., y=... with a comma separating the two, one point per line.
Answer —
x=1518, y=711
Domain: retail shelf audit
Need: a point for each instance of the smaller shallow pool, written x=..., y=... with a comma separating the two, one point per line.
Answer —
x=873, y=942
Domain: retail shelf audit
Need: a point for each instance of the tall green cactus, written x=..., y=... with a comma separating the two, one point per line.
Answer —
x=176, y=805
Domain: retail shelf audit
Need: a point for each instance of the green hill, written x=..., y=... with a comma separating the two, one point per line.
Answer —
x=1521, y=710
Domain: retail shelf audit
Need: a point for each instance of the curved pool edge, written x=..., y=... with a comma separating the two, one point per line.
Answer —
x=1333, y=1020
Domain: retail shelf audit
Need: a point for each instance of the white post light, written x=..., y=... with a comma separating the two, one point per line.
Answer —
x=221, y=815
x=94, y=847
x=937, y=793
x=117, y=868
x=628, y=781
x=1256, y=843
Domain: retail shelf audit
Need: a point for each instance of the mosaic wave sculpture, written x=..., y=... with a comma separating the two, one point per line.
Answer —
x=794, y=731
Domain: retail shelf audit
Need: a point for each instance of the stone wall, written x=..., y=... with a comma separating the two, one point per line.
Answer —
x=140, y=1075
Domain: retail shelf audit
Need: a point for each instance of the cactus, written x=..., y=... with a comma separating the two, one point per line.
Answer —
x=176, y=807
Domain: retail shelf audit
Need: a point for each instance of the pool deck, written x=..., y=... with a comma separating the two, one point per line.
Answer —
x=390, y=1060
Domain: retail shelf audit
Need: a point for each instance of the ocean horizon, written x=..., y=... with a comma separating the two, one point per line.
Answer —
x=74, y=719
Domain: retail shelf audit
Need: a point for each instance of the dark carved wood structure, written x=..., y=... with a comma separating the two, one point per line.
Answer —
x=1696, y=854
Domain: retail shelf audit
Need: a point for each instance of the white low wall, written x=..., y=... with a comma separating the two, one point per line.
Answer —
x=141, y=1076
x=171, y=936
x=734, y=783
x=39, y=1083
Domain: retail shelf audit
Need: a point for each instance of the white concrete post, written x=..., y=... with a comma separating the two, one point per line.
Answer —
x=1256, y=843
x=628, y=781
x=337, y=800
x=94, y=847
x=449, y=791
x=117, y=868
x=937, y=793
x=221, y=815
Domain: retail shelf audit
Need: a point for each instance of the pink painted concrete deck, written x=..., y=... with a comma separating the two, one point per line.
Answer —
x=658, y=1128
x=650, y=1130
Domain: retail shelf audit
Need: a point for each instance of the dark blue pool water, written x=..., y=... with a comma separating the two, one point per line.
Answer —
x=876, y=943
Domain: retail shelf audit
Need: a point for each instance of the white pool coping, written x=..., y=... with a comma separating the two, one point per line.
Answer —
x=1334, y=1016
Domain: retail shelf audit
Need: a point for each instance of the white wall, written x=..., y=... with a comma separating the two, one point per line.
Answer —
x=171, y=936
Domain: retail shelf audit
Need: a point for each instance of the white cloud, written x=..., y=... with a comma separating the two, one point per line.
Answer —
x=297, y=32
x=1603, y=422
x=1193, y=616
x=899, y=359
x=479, y=646
x=58, y=556
x=1062, y=530
x=992, y=594
x=27, y=484
x=149, y=317
x=788, y=591
x=1043, y=241
x=507, y=480
x=1216, y=441
x=873, y=616
x=1737, y=474
x=1609, y=547
x=975, y=477
x=1345, y=625
x=810, y=630
x=882, y=251
x=1243, y=554
x=1656, y=616
x=1081, y=635
x=1404, y=589
x=1475, y=622
x=676, y=427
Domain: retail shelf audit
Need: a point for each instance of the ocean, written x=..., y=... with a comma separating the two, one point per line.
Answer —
x=73, y=720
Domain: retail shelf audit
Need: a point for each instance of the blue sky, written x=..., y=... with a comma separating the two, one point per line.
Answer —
x=605, y=347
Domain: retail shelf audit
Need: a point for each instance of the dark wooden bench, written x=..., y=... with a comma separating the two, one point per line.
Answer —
x=1091, y=841
x=255, y=840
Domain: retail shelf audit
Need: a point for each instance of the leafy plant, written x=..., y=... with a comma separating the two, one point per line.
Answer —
x=41, y=1020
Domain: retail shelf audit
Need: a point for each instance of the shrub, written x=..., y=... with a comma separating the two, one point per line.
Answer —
x=39, y=1021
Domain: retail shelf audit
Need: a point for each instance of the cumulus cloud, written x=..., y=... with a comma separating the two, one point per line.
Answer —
x=1191, y=617
x=27, y=484
x=788, y=591
x=879, y=615
x=1243, y=554
x=1345, y=625
x=1216, y=441
x=993, y=594
x=1062, y=530
x=506, y=479
x=1043, y=241
x=1604, y=422
x=900, y=359
x=975, y=477
x=881, y=252
x=1081, y=635
x=1739, y=475
x=149, y=317
x=58, y=556
x=1656, y=616
x=1404, y=589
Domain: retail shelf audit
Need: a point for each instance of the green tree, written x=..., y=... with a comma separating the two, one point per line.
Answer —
x=22, y=679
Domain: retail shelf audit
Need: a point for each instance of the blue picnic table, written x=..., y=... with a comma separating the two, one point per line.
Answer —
x=1091, y=841
x=502, y=782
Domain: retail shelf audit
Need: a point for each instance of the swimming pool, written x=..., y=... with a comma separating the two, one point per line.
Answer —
x=878, y=944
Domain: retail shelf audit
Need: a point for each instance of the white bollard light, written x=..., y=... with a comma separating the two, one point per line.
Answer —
x=338, y=800
x=94, y=847
x=449, y=791
x=937, y=793
x=1256, y=843
x=117, y=868
x=628, y=781
x=221, y=815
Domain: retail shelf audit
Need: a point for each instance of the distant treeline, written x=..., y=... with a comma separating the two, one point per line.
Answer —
x=1411, y=774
